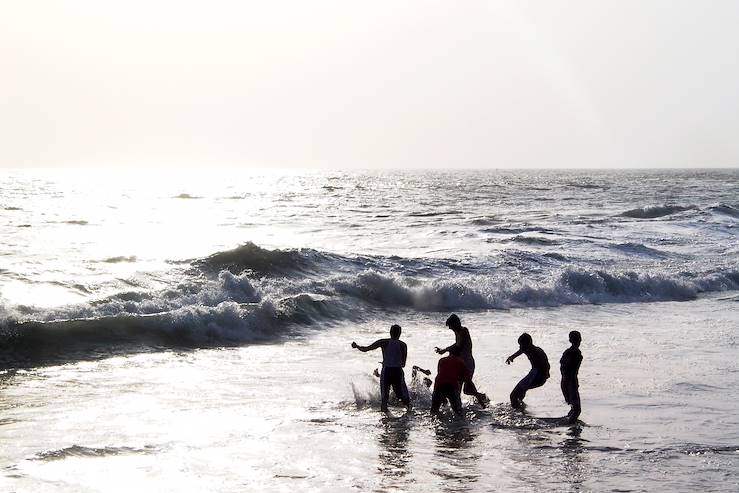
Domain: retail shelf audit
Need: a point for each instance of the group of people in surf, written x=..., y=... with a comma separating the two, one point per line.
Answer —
x=455, y=371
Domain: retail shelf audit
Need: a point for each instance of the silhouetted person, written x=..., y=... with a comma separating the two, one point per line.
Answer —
x=426, y=381
x=452, y=372
x=569, y=365
x=414, y=376
x=463, y=341
x=394, y=355
x=539, y=369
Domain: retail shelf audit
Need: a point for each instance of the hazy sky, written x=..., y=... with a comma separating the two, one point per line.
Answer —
x=369, y=84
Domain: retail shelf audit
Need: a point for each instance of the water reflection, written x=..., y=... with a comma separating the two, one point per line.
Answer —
x=6, y=376
x=574, y=465
x=550, y=455
x=456, y=457
x=394, y=456
x=6, y=379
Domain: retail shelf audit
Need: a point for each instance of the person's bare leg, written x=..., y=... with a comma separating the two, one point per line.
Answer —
x=469, y=388
x=384, y=391
x=401, y=391
x=575, y=403
x=518, y=393
x=456, y=402
x=437, y=399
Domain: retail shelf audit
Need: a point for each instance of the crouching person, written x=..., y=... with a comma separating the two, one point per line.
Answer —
x=451, y=374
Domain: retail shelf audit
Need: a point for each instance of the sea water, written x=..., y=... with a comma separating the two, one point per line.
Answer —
x=191, y=331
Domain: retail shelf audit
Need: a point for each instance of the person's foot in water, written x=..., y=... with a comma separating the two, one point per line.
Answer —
x=482, y=399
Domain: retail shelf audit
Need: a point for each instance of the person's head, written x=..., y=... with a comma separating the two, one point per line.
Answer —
x=575, y=338
x=395, y=331
x=525, y=341
x=455, y=351
x=453, y=322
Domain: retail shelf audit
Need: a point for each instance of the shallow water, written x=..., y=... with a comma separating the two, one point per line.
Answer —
x=147, y=344
x=659, y=412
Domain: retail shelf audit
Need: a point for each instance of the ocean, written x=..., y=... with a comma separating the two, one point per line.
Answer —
x=190, y=330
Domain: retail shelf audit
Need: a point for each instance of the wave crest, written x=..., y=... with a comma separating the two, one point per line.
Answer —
x=274, y=291
x=725, y=210
x=656, y=211
x=570, y=286
x=250, y=257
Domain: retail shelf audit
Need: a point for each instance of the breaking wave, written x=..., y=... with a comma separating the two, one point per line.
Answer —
x=656, y=211
x=725, y=210
x=251, y=294
x=531, y=240
x=80, y=451
x=564, y=288
x=517, y=230
x=262, y=261
x=120, y=259
x=484, y=221
x=639, y=249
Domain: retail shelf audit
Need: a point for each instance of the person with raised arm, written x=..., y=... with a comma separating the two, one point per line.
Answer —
x=539, y=369
x=394, y=356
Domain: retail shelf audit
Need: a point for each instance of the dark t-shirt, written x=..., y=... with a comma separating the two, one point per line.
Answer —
x=569, y=365
x=538, y=359
x=451, y=370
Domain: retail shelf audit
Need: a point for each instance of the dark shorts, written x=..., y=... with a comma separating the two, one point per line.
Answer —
x=395, y=378
x=446, y=393
x=532, y=380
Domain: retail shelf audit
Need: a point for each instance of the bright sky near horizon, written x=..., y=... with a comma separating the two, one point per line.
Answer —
x=346, y=84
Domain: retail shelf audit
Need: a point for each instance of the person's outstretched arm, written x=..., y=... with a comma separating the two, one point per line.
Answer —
x=467, y=380
x=378, y=343
x=515, y=355
x=444, y=350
